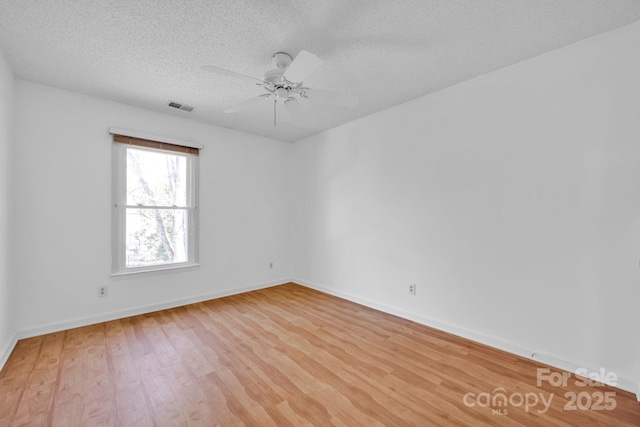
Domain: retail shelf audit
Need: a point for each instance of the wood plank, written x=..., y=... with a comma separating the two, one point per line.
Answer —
x=131, y=401
x=15, y=377
x=37, y=399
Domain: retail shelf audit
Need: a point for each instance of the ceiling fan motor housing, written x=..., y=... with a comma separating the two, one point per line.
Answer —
x=274, y=77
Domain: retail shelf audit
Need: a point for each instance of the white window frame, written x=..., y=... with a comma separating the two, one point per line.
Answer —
x=119, y=206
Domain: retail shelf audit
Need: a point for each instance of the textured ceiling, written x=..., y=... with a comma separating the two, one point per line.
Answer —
x=147, y=52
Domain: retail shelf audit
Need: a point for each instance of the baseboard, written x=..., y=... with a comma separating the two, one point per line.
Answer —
x=134, y=311
x=6, y=351
x=624, y=383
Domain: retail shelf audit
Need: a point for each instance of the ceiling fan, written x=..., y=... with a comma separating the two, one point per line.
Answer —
x=284, y=85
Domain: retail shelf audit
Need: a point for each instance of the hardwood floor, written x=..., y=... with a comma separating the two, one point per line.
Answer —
x=284, y=356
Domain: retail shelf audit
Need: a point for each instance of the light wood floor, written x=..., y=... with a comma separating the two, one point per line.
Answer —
x=284, y=356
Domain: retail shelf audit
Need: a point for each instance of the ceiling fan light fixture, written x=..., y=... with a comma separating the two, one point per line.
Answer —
x=282, y=93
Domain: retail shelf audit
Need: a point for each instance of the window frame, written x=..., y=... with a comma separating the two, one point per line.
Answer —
x=119, y=208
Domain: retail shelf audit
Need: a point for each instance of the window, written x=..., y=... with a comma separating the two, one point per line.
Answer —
x=155, y=218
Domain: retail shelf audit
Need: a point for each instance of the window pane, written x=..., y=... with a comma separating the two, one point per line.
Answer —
x=156, y=236
x=156, y=178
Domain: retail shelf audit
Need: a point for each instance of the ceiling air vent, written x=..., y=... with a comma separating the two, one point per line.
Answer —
x=180, y=106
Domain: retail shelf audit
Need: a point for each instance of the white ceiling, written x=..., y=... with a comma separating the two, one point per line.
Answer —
x=147, y=52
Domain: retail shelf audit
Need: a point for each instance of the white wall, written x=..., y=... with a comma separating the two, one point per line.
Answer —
x=512, y=201
x=62, y=252
x=7, y=313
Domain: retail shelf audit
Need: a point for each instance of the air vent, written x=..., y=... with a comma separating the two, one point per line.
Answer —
x=179, y=106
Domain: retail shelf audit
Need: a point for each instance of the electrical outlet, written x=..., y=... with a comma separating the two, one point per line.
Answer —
x=412, y=289
x=270, y=266
x=103, y=291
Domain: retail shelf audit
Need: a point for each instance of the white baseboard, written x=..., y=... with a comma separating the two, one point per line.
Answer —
x=554, y=360
x=134, y=311
x=6, y=351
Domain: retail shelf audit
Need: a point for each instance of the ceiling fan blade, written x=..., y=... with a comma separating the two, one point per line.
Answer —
x=295, y=111
x=331, y=98
x=304, y=64
x=224, y=72
x=248, y=103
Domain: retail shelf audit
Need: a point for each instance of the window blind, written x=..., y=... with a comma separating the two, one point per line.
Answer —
x=147, y=143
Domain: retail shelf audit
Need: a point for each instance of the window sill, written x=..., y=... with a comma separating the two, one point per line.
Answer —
x=155, y=270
